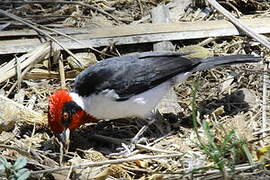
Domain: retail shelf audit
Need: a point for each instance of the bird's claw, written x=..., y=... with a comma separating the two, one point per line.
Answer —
x=130, y=147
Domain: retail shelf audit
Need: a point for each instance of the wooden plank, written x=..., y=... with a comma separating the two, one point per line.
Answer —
x=133, y=34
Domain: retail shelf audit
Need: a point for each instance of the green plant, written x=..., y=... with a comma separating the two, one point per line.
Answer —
x=224, y=152
x=16, y=171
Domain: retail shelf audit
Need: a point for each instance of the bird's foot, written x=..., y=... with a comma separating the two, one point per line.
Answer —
x=137, y=139
x=129, y=148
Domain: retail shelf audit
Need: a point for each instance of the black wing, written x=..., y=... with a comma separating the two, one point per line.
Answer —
x=130, y=75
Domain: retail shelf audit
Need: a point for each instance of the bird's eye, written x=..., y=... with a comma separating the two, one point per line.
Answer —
x=65, y=115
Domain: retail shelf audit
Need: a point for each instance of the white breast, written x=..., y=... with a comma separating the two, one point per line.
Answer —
x=103, y=105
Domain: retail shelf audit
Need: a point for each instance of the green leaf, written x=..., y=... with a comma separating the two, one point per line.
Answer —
x=3, y=160
x=22, y=174
x=20, y=163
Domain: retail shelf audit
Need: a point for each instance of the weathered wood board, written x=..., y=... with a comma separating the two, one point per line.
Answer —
x=132, y=34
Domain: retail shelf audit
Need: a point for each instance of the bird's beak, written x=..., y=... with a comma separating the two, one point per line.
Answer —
x=65, y=135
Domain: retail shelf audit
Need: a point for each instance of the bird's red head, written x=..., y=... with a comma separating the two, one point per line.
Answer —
x=64, y=113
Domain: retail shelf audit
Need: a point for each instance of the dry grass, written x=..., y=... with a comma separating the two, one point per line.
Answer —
x=227, y=99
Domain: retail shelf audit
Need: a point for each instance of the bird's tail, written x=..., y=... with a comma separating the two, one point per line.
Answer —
x=226, y=60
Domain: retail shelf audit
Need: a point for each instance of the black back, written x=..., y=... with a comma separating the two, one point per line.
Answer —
x=131, y=75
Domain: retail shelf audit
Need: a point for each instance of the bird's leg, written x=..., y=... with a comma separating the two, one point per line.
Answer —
x=129, y=148
x=136, y=139
x=154, y=116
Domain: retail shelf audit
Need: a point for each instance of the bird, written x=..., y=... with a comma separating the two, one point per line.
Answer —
x=126, y=86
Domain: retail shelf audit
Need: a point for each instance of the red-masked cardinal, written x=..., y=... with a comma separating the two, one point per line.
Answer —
x=126, y=86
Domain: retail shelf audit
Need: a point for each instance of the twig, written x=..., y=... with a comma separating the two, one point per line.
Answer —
x=154, y=149
x=32, y=135
x=19, y=72
x=232, y=6
x=239, y=24
x=69, y=172
x=196, y=173
x=262, y=131
x=21, y=76
x=141, y=8
x=11, y=88
x=22, y=152
x=239, y=168
x=265, y=100
x=7, y=139
x=56, y=31
x=35, y=155
x=62, y=72
x=100, y=163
